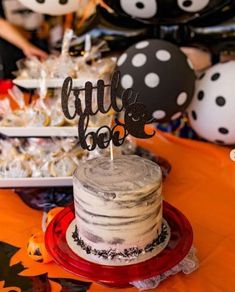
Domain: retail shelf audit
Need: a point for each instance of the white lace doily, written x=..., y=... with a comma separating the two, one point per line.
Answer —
x=188, y=265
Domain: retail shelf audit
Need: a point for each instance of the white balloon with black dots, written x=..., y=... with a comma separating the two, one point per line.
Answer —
x=193, y=5
x=55, y=7
x=212, y=110
x=144, y=9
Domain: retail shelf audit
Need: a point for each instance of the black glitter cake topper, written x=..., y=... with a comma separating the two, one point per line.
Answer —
x=135, y=117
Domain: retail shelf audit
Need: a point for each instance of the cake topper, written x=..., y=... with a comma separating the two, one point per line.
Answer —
x=135, y=113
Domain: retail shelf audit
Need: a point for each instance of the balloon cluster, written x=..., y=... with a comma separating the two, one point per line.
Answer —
x=165, y=81
x=166, y=12
x=164, y=77
x=158, y=70
x=183, y=22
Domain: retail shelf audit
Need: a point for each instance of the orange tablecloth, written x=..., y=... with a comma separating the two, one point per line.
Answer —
x=201, y=185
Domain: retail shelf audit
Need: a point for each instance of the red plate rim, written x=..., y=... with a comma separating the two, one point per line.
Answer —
x=180, y=242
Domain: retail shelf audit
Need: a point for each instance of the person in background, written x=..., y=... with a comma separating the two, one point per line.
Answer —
x=22, y=33
x=10, y=34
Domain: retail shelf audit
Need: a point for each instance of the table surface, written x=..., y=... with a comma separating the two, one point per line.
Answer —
x=201, y=184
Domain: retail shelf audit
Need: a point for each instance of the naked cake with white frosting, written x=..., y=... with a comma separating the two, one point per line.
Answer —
x=118, y=210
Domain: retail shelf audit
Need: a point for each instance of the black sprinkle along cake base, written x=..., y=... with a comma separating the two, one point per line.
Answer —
x=127, y=254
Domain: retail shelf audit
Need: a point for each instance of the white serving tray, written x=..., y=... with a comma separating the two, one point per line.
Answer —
x=42, y=131
x=36, y=182
x=50, y=83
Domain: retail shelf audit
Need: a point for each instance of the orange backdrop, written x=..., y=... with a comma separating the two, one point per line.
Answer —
x=201, y=184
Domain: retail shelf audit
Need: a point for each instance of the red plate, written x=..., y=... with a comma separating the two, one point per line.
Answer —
x=178, y=247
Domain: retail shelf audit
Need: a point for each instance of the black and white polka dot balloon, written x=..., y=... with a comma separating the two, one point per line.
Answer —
x=161, y=74
x=54, y=7
x=212, y=111
x=167, y=12
x=192, y=5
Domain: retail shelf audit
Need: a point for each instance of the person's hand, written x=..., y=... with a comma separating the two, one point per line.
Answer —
x=32, y=51
x=199, y=58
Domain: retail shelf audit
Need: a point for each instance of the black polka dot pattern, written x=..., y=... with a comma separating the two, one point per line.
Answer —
x=211, y=113
x=167, y=12
x=220, y=101
x=52, y=7
x=141, y=9
x=194, y=115
x=187, y=3
x=200, y=95
x=202, y=76
x=62, y=2
x=223, y=131
x=140, y=5
x=219, y=142
x=193, y=6
x=215, y=76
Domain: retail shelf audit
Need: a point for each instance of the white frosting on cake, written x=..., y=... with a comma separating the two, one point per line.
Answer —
x=118, y=204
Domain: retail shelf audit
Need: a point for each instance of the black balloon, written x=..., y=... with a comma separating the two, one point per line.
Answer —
x=121, y=30
x=117, y=31
x=167, y=11
x=161, y=74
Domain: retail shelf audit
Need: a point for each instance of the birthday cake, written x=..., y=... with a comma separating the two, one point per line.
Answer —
x=118, y=210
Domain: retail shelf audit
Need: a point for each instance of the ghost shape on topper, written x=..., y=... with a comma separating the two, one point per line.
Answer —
x=135, y=119
x=54, y=7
